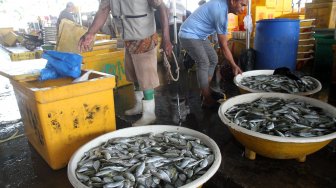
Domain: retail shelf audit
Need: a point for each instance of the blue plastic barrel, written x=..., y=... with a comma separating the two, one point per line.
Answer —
x=276, y=43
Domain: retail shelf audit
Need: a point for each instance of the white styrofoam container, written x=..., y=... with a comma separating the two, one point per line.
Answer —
x=237, y=79
x=132, y=131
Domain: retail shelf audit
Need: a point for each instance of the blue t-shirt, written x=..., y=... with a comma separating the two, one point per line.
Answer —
x=209, y=18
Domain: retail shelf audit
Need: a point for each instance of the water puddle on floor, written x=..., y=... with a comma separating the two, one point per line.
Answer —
x=10, y=118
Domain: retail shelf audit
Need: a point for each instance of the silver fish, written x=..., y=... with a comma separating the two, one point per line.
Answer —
x=279, y=117
x=168, y=159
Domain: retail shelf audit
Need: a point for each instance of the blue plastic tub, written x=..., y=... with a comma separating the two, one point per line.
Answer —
x=276, y=43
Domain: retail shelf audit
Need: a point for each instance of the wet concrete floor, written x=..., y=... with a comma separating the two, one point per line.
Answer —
x=22, y=166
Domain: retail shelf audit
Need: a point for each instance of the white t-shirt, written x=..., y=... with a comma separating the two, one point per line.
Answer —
x=180, y=10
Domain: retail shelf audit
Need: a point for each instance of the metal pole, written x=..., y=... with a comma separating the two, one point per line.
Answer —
x=248, y=31
x=186, y=3
x=177, y=53
x=175, y=23
x=80, y=16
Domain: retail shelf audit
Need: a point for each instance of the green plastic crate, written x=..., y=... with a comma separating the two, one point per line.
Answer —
x=323, y=56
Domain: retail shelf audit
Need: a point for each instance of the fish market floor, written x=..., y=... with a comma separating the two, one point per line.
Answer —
x=22, y=166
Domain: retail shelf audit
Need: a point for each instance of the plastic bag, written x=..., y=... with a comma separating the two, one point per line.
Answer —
x=285, y=71
x=84, y=77
x=61, y=64
x=248, y=24
x=48, y=74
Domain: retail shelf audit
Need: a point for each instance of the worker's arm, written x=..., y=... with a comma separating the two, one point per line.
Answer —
x=166, y=44
x=227, y=53
x=98, y=22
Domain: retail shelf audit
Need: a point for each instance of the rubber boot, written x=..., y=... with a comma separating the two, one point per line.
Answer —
x=137, y=109
x=148, y=114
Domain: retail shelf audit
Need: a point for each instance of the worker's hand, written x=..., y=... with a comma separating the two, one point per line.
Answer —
x=85, y=41
x=167, y=46
x=236, y=70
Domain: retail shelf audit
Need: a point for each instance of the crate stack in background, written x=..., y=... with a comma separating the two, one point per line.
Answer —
x=260, y=9
x=266, y=9
x=320, y=14
x=9, y=40
x=49, y=35
x=306, y=43
x=324, y=11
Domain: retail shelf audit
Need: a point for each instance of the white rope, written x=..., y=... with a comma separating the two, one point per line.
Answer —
x=14, y=136
x=168, y=67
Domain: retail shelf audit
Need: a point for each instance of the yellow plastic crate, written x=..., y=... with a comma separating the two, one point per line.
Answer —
x=233, y=21
x=267, y=3
x=283, y=5
x=258, y=13
x=97, y=52
x=60, y=116
x=5, y=30
x=287, y=5
x=10, y=39
x=271, y=13
x=69, y=35
x=279, y=5
x=25, y=55
x=22, y=56
x=110, y=62
x=102, y=37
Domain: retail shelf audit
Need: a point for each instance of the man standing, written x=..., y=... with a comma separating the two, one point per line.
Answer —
x=66, y=14
x=209, y=18
x=141, y=39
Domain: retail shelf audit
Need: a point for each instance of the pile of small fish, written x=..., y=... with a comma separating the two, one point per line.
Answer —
x=280, y=117
x=168, y=159
x=279, y=83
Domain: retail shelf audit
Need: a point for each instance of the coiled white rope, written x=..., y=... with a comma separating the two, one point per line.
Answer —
x=168, y=67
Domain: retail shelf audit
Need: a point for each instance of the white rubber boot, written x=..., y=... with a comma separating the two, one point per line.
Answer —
x=137, y=109
x=148, y=114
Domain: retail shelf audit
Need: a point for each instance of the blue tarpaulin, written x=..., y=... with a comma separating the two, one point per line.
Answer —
x=61, y=64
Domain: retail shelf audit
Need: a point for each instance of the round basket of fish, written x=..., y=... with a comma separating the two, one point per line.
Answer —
x=280, y=126
x=147, y=156
x=258, y=81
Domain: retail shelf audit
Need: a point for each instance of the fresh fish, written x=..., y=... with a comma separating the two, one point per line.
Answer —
x=168, y=159
x=279, y=117
x=279, y=83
